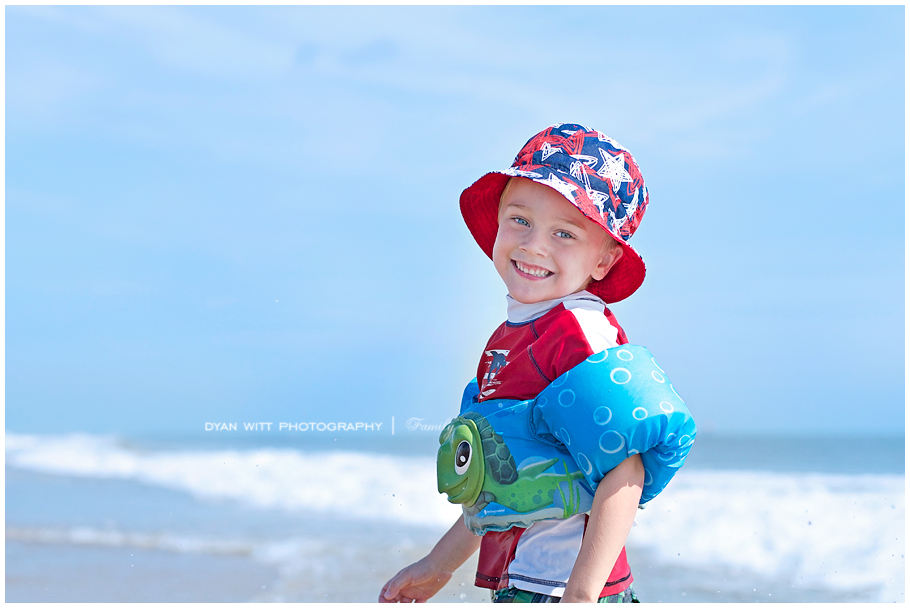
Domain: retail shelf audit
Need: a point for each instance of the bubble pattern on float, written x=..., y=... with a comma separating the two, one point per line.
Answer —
x=617, y=403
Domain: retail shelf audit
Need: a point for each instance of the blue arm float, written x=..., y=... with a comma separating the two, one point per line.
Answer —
x=542, y=458
x=615, y=404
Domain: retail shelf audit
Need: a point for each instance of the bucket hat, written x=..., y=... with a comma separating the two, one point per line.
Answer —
x=594, y=173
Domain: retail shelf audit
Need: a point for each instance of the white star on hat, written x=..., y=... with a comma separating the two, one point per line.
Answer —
x=547, y=150
x=617, y=223
x=580, y=174
x=588, y=160
x=519, y=173
x=614, y=169
x=576, y=171
x=599, y=199
x=560, y=186
x=632, y=205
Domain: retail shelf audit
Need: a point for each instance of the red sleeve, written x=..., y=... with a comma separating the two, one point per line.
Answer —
x=560, y=347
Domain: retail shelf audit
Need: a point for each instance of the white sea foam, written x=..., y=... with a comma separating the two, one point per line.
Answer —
x=88, y=536
x=362, y=485
x=815, y=530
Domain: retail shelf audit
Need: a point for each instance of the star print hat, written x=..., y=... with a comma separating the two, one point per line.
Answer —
x=594, y=173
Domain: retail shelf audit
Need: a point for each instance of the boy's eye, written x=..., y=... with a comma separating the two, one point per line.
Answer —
x=521, y=221
x=564, y=235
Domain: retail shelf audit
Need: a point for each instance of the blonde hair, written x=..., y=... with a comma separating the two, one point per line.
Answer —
x=610, y=244
x=504, y=190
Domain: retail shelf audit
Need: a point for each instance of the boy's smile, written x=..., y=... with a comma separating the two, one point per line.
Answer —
x=533, y=272
x=546, y=248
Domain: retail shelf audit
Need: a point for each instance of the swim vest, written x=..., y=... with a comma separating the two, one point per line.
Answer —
x=510, y=462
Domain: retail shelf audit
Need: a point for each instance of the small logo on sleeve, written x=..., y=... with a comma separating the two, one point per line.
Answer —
x=497, y=362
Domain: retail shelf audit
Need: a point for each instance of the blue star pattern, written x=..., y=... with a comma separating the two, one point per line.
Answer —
x=606, y=177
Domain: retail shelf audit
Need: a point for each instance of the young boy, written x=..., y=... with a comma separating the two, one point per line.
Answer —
x=555, y=225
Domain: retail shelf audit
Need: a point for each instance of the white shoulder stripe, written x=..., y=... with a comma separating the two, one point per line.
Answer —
x=598, y=331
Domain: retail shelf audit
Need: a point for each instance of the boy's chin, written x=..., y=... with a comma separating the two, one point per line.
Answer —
x=525, y=299
x=537, y=297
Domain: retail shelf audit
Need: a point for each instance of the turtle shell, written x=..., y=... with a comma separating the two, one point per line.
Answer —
x=496, y=454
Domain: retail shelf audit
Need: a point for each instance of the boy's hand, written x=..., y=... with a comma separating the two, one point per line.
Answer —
x=421, y=580
x=417, y=583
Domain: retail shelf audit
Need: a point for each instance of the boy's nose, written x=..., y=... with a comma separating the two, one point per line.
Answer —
x=534, y=243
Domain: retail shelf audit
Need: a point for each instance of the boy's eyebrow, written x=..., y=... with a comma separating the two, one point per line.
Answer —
x=558, y=218
x=572, y=222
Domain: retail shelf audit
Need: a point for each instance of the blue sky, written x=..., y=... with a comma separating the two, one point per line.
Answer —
x=234, y=213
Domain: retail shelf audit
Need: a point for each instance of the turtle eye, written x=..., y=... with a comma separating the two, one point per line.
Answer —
x=462, y=457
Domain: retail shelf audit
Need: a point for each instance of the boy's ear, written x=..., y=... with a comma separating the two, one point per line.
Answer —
x=607, y=261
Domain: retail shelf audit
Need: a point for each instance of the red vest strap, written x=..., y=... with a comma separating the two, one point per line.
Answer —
x=497, y=550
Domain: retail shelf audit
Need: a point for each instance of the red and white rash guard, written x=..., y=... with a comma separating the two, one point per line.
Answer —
x=538, y=343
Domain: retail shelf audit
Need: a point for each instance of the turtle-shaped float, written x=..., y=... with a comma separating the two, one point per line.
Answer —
x=475, y=467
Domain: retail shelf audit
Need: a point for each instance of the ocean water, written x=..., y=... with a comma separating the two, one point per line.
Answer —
x=258, y=518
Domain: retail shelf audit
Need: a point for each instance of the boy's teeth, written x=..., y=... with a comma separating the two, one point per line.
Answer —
x=534, y=272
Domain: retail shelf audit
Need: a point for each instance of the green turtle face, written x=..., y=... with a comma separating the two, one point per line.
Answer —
x=459, y=462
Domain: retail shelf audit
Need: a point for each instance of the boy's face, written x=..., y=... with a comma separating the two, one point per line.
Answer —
x=546, y=248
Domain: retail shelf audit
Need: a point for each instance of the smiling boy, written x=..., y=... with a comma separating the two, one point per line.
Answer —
x=555, y=225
